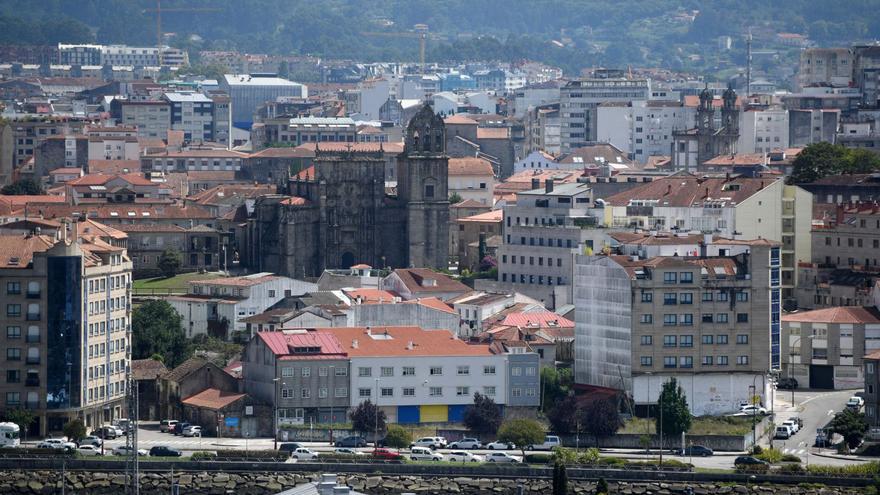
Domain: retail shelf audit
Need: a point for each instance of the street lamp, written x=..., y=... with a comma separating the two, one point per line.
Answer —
x=648, y=423
x=376, y=426
x=791, y=349
x=332, y=395
x=275, y=411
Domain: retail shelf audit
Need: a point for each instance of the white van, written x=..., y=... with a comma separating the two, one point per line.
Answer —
x=783, y=432
x=550, y=442
x=424, y=454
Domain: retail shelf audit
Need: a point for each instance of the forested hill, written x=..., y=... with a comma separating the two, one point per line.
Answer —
x=571, y=33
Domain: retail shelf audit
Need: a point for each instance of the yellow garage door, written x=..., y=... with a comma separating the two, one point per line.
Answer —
x=434, y=414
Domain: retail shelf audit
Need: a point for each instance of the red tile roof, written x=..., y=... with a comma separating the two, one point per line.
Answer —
x=425, y=342
x=370, y=295
x=17, y=251
x=493, y=133
x=393, y=147
x=413, y=278
x=212, y=398
x=101, y=179
x=537, y=320
x=433, y=303
x=839, y=314
x=242, y=281
x=459, y=119
x=686, y=190
x=283, y=343
x=470, y=166
x=489, y=216
x=286, y=152
x=147, y=369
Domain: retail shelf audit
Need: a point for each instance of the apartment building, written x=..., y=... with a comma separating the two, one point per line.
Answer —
x=113, y=143
x=711, y=321
x=579, y=102
x=192, y=113
x=642, y=128
x=476, y=229
x=730, y=206
x=248, y=92
x=192, y=160
x=872, y=388
x=825, y=67
x=66, y=317
x=472, y=178
x=762, y=131
x=301, y=130
x=540, y=233
x=823, y=348
x=152, y=118
x=200, y=247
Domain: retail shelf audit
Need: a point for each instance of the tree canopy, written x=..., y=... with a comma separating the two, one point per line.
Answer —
x=169, y=262
x=674, y=410
x=397, y=437
x=156, y=329
x=555, y=386
x=823, y=159
x=483, y=416
x=367, y=417
x=851, y=425
x=601, y=419
x=75, y=430
x=23, y=187
x=521, y=432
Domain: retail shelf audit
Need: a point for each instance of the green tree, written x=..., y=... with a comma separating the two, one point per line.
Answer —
x=564, y=416
x=367, y=418
x=397, y=437
x=560, y=479
x=156, y=329
x=674, y=410
x=819, y=160
x=862, y=161
x=74, y=430
x=22, y=417
x=483, y=416
x=169, y=262
x=602, y=487
x=23, y=187
x=601, y=419
x=851, y=425
x=521, y=432
x=555, y=386
x=455, y=198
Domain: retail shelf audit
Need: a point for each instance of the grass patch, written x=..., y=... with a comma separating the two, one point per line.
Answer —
x=177, y=283
x=704, y=425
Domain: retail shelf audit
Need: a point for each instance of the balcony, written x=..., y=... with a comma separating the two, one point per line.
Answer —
x=33, y=294
x=32, y=338
x=32, y=360
x=33, y=317
x=32, y=382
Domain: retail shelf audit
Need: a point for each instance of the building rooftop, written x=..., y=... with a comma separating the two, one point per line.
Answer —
x=303, y=344
x=403, y=341
x=489, y=216
x=17, y=251
x=187, y=96
x=257, y=80
x=537, y=319
x=838, y=314
x=242, y=281
x=424, y=280
x=470, y=166
x=212, y=398
x=686, y=190
x=147, y=369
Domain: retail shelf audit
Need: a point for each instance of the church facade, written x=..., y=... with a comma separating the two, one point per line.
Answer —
x=337, y=214
x=691, y=148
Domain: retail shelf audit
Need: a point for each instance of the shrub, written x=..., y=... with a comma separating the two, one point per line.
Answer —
x=564, y=455
x=770, y=455
x=790, y=458
x=866, y=469
x=792, y=469
x=589, y=456
x=203, y=456
x=601, y=486
x=538, y=458
x=752, y=468
x=756, y=450
x=612, y=461
x=255, y=454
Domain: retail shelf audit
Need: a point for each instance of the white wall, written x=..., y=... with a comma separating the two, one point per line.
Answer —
x=707, y=393
x=535, y=161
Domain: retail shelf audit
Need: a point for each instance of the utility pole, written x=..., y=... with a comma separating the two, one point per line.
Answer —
x=749, y=64
x=131, y=442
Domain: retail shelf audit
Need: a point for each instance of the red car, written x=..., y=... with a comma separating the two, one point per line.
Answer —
x=386, y=454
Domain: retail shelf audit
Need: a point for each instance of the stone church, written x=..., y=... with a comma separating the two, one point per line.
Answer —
x=338, y=213
x=691, y=148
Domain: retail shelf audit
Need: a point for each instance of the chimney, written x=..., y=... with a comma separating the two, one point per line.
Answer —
x=548, y=185
x=409, y=345
x=369, y=331
x=668, y=189
x=536, y=183
x=354, y=343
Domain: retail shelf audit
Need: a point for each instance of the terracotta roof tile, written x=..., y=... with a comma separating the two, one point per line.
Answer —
x=212, y=398
x=17, y=251
x=470, y=166
x=425, y=342
x=413, y=279
x=544, y=319
x=284, y=343
x=489, y=216
x=688, y=190
x=147, y=369
x=839, y=314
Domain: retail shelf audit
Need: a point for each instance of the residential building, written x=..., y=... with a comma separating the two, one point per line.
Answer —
x=807, y=126
x=472, y=178
x=151, y=118
x=527, y=98
x=128, y=188
x=192, y=160
x=301, y=130
x=542, y=129
x=192, y=113
x=762, y=131
x=872, y=388
x=248, y=92
x=475, y=229
x=476, y=306
x=146, y=373
x=823, y=348
x=866, y=73
x=113, y=143
x=846, y=188
x=825, y=67
x=66, y=315
x=189, y=379
x=579, y=102
x=642, y=128
x=414, y=283
x=303, y=374
x=217, y=306
x=711, y=321
x=201, y=248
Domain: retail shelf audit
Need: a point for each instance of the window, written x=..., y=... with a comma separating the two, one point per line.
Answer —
x=13, y=398
x=286, y=372
x=722, y=360
x=362, y=372
x=742, y=338
x=306, y=372
x=686, y=341
x=13, y=310
x=364, y=392
x=646, y=361
x=341, y=392
x=516, y=371
x=722, y=296
x=742, y=317
x=488, y=370
x=721, y=318
x=647, y=297
x=686, y=362
x=531, y=371
x=686, y=298
x=306, y=393
x=387, y=371
x=409, y=392
x=462, y=391
x=13, y=376
x=436, y=391
x=647, y=340
x=669, y=362
x=322, y=371
x=707, y=340
x=341, y=371
x=707, y=296
x=436, y=370
x=686, y=277
x=707, y=318
x=670, y=298
x=670, y=277
x=742, y=360
x=648, y=319
x=820, y=353
x=669, y=340
x=489, y=390
x=686, y=320
x=286, y=393
x=271, y=293
x=386, y=392
x=13, y=354
x=429, y=190
x=707, y=361
x=721, y=339
x=13, y=287
x=670, y=320
x=742, y=296
x=13, y=332
x=322, y=393
x=464, y=370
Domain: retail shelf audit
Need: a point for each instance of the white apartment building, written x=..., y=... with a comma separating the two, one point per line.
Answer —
x=762, y=131
x=192, y=113
x=472, y=178
x=579, y=102
x=217, y=306
x=113, y=143
x=642, y=128
x=533, y=96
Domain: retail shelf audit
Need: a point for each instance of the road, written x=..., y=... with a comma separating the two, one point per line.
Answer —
x=816, y=408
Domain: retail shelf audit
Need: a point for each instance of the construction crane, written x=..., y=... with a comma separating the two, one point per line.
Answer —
x=420, y=32
x=158, y=11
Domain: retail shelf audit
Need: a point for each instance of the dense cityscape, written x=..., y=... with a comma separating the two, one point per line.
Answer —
x=429, y=257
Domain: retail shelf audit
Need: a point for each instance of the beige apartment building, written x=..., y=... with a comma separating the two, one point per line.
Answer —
x=66, y=328
x=711, y=321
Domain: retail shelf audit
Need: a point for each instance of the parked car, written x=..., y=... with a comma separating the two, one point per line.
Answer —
x=463, y=456
x=126, y=450
x=88, y=450
x=92, y=440
x=749, y=463
x=502, y=457
x=787, y=384
x=352, y=441
x=304, y=454
x=105, y=433
x=164, y=451
x=348, y=451
x=855, y=402
x=123, y=424
x=496, y=445
x=167, y=425
x=388, y=455
x=57, y=443
x=783, y=432
x=115, y=429
x=753, y=410
x=192, y=431
x=430, y=442
x=289, y=447
x=550, y=441
x=792, y=424
x=697, y=451
x=466, y=443
x=179, y=427
x=424, y=454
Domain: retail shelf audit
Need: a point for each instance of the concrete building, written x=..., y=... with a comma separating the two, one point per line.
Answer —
x=113, y=143
x=472, y=178
x=475, y=229
x=762, y=131
x=872, y=388
x=710, y=321
x=67, y=314
x=579, y=102
x=532, y=96
x=193, y=160
x=641, y=128
x=846, y=188
x=192, y=113
x=249, y=91
x=542, y=129
x=823, y=349
x=152, y=118
x=200, y=247
x=825, y=67
x=301, y=130
x=217, y=306
x=806, y=127
x=414, y=283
